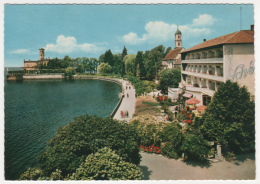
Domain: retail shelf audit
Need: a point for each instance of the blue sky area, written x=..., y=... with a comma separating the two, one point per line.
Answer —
x=90, y=30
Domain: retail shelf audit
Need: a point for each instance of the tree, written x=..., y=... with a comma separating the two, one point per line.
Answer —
x=195, y=146
x=102, y=58
x=117, y=59
x=230, y=118
x=129, y=61
x=105, y=164
x=109, y=58
x=169, y=78
x=140, y=63
x=153, y=64
x=124, y=53
x=84, y=136
x=85, y=62
x=104, y=68
x=69, y=72
x=96, y=63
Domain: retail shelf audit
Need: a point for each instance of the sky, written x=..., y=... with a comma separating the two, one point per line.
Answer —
x=90, y=30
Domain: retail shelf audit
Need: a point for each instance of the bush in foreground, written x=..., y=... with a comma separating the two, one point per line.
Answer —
x=106, y=165
x=84, y=136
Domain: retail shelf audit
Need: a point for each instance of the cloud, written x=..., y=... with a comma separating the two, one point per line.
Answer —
x=23, y=51
x=204, y=20
x=69, y=44
x=160, y=31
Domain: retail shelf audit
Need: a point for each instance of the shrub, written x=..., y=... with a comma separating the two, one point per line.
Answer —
x=172, y=138
x=105, y=164
x=195, y=146
x=86, y=135
x=31, y=174
x=148, y=132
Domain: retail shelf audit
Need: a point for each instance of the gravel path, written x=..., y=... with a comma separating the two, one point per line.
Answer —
x=157, y=167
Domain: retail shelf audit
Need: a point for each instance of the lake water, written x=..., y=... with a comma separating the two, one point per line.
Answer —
x=34, y=110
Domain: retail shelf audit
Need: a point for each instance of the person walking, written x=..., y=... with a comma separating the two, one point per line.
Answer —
x=127, y=95
x=126, y=87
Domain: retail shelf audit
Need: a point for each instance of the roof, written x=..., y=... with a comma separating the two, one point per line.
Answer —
x=178, y=31
x=173, y=53
x=244, y=36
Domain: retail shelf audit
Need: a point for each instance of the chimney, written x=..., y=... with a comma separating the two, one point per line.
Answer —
x=252, y=27
x=204, y=40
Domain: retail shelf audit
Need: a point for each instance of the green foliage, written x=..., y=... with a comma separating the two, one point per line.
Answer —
x=31, y=174
x=149, y=132
x=129, y=61
x=118, y=66
x=104, y=68
x=169, y=78
x=150, y=103
x=105, y=164
x=108, y=58
x=172, y=138
x=229, y=118
x=140, y=73
x=195, y=146
x=86, y=135
x=142, y=86
x=153, y=62
x=69, y=72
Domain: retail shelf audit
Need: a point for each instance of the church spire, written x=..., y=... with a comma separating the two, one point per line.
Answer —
x=178, y=38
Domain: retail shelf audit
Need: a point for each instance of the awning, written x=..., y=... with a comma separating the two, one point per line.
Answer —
x=187, y=95
x=180, y=92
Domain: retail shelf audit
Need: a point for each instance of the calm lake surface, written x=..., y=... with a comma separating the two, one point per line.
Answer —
x=34, y=110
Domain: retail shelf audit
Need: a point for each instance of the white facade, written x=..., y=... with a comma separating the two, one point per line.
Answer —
x=205, y=69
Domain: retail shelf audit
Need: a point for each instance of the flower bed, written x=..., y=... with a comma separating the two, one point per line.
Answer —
x=151, y=149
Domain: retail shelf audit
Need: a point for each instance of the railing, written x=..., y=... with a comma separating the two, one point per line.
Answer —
x=206, y=60
x=117, y=106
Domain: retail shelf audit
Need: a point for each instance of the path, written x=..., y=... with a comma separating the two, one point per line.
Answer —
x=127, y=103
x=157, y=167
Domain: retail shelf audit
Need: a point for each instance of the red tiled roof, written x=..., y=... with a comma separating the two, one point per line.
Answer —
x=244, y=36
x=173, y=54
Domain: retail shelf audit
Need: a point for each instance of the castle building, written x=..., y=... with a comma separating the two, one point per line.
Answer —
x=210, y=63
x=173, y=58
x=33, y=65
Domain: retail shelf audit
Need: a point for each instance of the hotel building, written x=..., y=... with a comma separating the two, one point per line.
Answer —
x=207, y=65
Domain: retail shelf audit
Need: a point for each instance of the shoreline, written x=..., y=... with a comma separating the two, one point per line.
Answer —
x=123, y=103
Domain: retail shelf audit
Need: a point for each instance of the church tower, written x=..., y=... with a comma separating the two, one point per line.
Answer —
x=178, y=38
x=41, y=53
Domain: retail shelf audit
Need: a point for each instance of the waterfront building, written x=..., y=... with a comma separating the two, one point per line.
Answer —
x=210, y=63
x=32, y=65
x=173, y=58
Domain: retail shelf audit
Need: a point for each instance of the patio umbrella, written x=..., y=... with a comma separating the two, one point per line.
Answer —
x=201, y=108
x=192, y=101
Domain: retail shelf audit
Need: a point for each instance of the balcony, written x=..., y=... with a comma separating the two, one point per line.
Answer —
x=207, y=60
x=205, y=76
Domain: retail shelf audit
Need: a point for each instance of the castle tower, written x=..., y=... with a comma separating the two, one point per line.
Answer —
x=178, y=38
x=41, y=53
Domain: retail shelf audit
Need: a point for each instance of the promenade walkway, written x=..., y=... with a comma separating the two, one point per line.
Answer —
x=128, y=103
x=157, y=167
